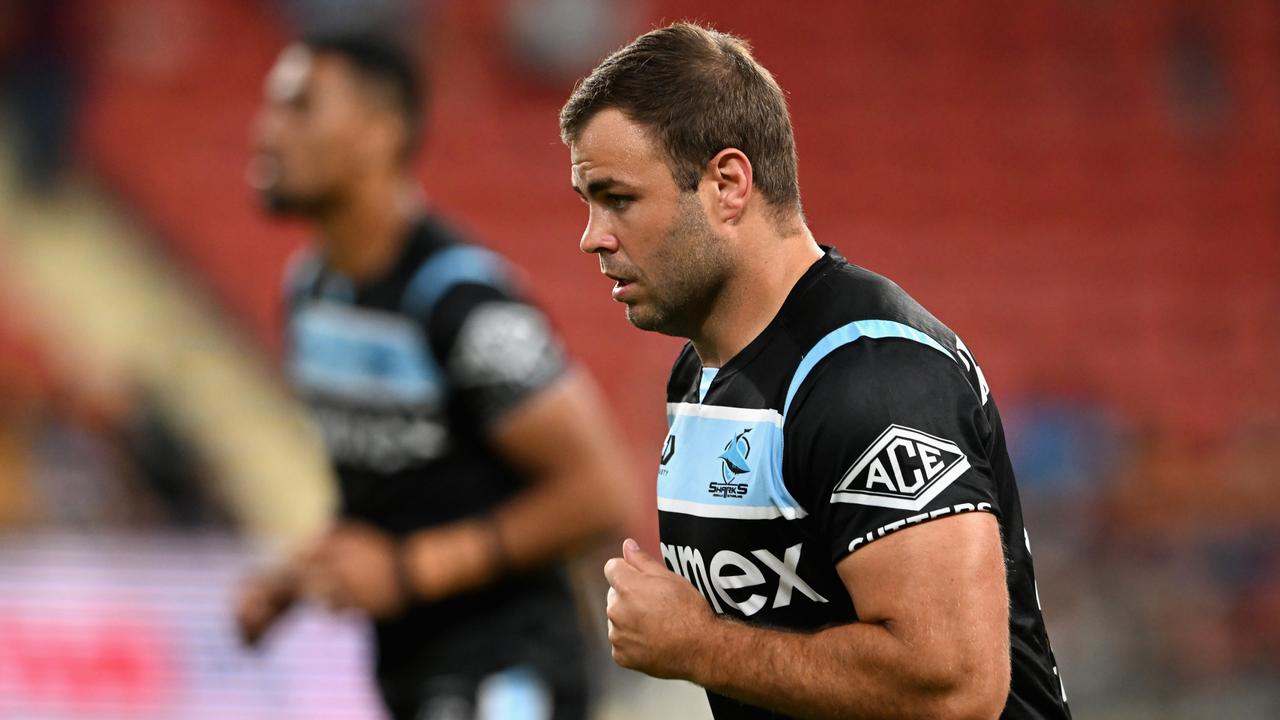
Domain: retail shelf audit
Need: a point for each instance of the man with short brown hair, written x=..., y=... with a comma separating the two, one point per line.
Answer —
x=841, y=530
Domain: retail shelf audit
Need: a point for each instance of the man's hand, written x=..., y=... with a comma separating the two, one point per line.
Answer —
x=656, y=618
x=356, y=566
x=261, y=601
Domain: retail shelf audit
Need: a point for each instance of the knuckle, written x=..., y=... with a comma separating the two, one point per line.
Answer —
x=621, y=658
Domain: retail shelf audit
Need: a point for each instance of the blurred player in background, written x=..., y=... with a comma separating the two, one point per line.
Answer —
x=472, y=456
x=835, y=489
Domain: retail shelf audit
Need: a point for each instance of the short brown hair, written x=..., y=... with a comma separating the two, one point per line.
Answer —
x=700, y=91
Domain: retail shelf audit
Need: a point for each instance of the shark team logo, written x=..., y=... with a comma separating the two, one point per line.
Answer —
x=903, y=469
x=733, y=462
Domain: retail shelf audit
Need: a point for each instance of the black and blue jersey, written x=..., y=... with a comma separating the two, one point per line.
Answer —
x=405, y=375
x=853, y=415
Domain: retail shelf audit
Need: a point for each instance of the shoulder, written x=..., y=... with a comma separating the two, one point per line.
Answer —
x=471, y=303
x=878, y=369
x=449, y=263
x=862, y=333
x=848, y=293
x=843, y=293
x=875, y=392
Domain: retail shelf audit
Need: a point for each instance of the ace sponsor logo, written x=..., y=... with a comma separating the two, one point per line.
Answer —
x=903, y=469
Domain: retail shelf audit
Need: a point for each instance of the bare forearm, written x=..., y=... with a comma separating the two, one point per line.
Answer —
x=546, y=523
x=565, y=444
x=533, y=529
x=859, y=670
x=551, y=520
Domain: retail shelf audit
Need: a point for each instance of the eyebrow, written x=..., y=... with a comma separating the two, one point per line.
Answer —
x=599, y=185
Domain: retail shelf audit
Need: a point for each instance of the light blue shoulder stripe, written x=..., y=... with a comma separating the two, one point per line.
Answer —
x=846, y=334
x=451, y=267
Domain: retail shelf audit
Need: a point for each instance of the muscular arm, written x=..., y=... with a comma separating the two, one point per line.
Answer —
x=565, y=442
x=932, y=641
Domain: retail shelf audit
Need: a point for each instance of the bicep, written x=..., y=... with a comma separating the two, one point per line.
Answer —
x=940, y=588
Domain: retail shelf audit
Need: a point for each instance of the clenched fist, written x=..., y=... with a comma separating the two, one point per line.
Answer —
x=657, y=620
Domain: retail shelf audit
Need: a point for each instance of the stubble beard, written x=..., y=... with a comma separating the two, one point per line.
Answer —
x=295, y=205
x=691, y=271
x=278, y=201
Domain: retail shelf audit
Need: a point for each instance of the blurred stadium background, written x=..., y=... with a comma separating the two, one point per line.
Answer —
x=1087, y=190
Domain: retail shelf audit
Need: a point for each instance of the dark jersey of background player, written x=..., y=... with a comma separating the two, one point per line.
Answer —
x=405, y=374
x=853, y=415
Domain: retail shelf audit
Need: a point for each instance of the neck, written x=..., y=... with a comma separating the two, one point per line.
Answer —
x=362, y=235
x=768, y=266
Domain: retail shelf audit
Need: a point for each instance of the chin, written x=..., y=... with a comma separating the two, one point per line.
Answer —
x=652, y=320
x=641, y=319
x=271, y=204
x=283, y=204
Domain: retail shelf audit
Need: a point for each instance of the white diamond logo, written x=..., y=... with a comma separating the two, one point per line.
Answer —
x=903, y=469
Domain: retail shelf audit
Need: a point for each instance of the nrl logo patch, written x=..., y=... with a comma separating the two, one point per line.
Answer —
x=903, y=469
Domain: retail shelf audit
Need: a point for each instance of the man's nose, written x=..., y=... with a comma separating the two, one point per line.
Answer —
x=598, y=237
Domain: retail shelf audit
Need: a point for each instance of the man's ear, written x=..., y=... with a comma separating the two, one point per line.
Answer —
x=731, y=177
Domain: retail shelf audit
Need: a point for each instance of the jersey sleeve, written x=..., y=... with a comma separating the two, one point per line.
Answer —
x=883, y=435
x=496, y=349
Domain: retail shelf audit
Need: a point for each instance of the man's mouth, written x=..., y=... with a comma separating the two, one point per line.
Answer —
x=620, y=286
